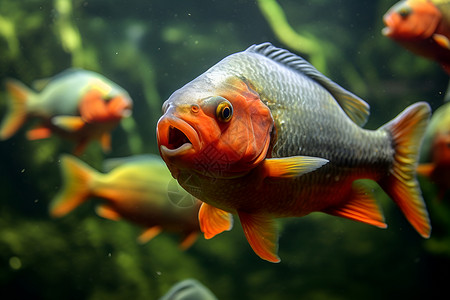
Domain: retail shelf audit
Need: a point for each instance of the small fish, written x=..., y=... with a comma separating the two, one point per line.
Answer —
x=189, y=289
x=263, y=134
x=138, y=189
x=76, y=104
x=436, y=150
x=421, y=26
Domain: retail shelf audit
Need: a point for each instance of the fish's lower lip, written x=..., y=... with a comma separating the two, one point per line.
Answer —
x=166, y=152
x=175, y=136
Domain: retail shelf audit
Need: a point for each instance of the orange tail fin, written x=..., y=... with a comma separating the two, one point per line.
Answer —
x=407, y=131
x=17, y=108
x=77, y=178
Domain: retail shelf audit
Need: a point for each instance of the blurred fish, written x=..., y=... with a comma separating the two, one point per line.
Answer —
x=76, y=104
x=436, y=150
x=421, y=26
x=138, y=189
x=189, y=289
x=264, y=135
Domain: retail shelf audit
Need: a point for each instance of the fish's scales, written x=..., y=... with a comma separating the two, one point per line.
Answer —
x=308, y=121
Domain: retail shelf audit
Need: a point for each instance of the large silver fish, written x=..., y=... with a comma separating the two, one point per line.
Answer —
x=264, y=135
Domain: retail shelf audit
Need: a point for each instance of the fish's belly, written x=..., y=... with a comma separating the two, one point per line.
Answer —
x=278, y=197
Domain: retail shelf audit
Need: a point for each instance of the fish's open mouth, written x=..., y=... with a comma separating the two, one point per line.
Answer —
x=176, y=136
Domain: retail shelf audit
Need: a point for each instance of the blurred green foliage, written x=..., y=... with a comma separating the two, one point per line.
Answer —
x=152, y=48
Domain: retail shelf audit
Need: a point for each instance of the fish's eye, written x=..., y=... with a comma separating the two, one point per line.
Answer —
x=224, y=111
x=405, y=11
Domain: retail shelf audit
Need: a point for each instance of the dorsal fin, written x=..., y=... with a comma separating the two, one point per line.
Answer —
x=357, y=109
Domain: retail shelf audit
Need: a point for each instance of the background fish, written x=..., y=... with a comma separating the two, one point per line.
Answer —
x=436, y=150
x=77, y=104
x=135, y=189
x=421, y=26
x=264, y=135
x=189, y=289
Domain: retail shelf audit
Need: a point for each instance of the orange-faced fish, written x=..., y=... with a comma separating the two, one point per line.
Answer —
x=138, y=189
x=76, y=104
x=436, y=150
x=421, y=26
x=263, y=134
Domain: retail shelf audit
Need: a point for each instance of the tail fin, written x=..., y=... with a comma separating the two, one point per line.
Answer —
x=407, y=131
x=17, y=111
x=77, y=177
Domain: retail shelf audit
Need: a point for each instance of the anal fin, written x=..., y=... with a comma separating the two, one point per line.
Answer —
x=361, y=207
x=261, y=234
x=38, y=133
x=214, y=220
x=189, y=240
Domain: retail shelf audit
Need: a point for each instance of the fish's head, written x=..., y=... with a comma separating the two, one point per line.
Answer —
x=97, y=107
x=216, y=129
x=411, y=20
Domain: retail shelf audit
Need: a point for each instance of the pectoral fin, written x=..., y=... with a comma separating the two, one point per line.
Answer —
x=68, y=123
x=262, y=235
x=149, y=234
x=361, y=207
x=441, y=40
x=292, y=166
x=214, y=220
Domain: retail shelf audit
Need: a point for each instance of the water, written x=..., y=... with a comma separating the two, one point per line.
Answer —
x=152, y=48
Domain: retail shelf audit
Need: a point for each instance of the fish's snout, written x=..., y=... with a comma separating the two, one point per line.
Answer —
x=175, y=136
x=121, y=106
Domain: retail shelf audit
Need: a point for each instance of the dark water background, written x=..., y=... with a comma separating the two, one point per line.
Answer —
x=152, y=48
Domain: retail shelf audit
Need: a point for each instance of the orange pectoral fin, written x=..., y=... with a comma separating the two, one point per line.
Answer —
x=361, y=207
x=107, y=212
x=441, y=40
x=214, y=220
x=262, y=235
x=149, y=234
x=68, y=123
x=292, y=166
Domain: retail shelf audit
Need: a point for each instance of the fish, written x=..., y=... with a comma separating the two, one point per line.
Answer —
x=138, y=189
x=76, y=104
x=189, y=289
x=422, y=27
x=435, y=154
x=264, y=135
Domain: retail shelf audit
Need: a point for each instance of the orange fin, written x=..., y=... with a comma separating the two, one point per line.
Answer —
x=39, y=133
x=425, y=169
x=262, y=235
x=361, y=207
x=407, y=131
x=107, y=212
x=292, y=166
x=17, y=108
x=441, y=40
x=149, y=234
x=105, y=141
x=76, y=188
x=68, y=123
x=189, y=240
x=214, y=220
